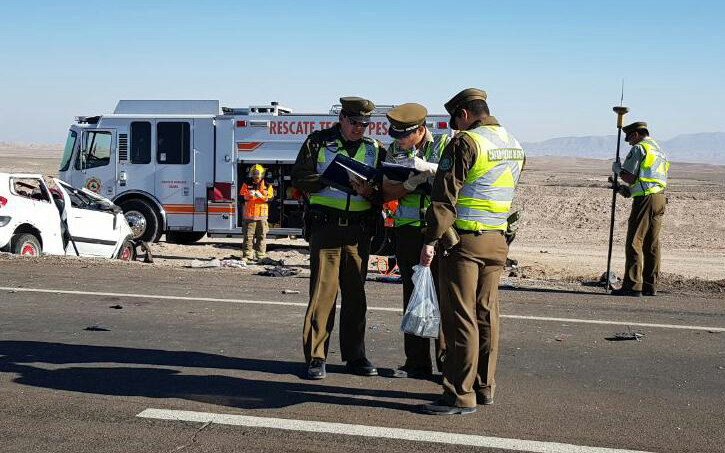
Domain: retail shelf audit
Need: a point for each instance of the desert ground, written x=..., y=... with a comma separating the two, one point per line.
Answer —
x=563, y=234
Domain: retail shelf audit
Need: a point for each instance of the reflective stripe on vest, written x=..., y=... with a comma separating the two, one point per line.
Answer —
x=485, y=199
x=653, y=169
x=410, y=205
x=367, y=152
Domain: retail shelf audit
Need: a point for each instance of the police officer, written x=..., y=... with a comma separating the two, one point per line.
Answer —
x=473, y=191
x=645, y=170
x=341, y=226
x=413, y=146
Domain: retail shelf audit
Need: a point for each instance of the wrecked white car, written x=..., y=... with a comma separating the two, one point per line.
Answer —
x=39, y=216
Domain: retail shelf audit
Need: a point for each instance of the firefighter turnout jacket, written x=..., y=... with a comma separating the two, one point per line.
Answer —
x=256, y=197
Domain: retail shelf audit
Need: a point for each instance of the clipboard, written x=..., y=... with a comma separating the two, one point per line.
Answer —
x=342, y=168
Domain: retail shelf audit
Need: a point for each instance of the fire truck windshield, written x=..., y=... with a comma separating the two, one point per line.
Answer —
x=70, y=144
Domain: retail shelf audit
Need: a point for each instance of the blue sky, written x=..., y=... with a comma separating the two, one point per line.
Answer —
x=551, y=69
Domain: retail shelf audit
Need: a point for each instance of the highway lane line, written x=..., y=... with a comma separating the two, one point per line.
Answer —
x=387, y=309
x=377, y=432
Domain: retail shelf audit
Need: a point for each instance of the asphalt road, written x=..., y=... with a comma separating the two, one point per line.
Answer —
x=63, y=388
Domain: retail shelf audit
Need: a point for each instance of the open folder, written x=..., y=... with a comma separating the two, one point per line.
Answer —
x=343, y=169
x=397, y=172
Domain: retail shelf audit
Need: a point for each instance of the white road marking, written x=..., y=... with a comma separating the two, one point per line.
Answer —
x=388, y=309
x=377, y=431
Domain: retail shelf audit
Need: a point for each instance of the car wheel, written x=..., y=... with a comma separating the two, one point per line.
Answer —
x=184, y=237
x=26, y=244
x=127, y=251
x=142, y=219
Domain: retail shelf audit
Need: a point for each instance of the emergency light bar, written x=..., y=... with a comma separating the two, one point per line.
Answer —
x=87, y=119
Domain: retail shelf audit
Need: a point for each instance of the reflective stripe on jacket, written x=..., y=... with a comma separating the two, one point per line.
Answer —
x=410, y=205
x=331, y=197
x=653, y=169
x=485, y=199
x=255, y=201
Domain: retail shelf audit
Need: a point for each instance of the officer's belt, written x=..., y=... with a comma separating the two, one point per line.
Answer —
x=477, y=232
x=322, y=216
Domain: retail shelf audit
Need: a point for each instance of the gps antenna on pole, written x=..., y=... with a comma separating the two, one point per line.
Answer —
x=620, y=110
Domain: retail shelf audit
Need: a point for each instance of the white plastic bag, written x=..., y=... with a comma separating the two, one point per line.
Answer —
x=422, y=317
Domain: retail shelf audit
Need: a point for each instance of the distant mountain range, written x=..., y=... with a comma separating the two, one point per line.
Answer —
x=704, y=147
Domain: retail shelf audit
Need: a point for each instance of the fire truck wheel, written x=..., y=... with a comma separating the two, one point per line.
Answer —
x=184, y=237
x=25, y=244
x=142, y=218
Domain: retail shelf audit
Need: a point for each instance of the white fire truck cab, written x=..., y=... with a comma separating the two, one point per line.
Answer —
x=176, y=166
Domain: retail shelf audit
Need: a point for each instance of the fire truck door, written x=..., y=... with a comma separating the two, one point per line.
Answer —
x=175, y=172
x=95, y=164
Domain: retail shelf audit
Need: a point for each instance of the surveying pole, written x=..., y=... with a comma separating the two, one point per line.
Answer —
x=620, y=111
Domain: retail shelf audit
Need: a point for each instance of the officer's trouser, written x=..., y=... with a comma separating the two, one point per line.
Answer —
x=338, y=260
x=642, y=250
x=469, y=277
x=255, y=237
x=408, y=243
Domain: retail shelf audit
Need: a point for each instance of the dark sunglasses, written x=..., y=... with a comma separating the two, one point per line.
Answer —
x=356, y=123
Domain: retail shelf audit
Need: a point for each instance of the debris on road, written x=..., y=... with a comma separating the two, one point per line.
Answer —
x=290, y=291
x=143, y=250
x=232, y=262
x=279, y=271
x=116, y=307
x=97, y=328
x=389, y=278
x=267, y=261
x=613, y=279
x=624, y=336
x=199, y=264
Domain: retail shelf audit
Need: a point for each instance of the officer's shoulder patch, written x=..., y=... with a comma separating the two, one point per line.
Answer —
x=445, y=164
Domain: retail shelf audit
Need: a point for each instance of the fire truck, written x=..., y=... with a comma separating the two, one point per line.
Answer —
x=175, y=167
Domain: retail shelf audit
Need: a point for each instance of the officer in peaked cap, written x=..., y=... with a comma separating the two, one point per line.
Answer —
x=462, y=98
x=473, y=190
x=340, y=226
x=357, y=109
x=416, y=147
x=645, y=169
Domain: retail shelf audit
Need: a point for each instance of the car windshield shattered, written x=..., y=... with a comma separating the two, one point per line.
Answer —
x=86, y=200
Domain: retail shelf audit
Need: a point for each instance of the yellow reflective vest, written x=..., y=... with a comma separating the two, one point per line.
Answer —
x=411, y=205
x=485, y=199
x=331, y=197
x=653, y=169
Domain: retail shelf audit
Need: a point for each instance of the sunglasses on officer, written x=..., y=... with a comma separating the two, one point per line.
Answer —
x=356, y=123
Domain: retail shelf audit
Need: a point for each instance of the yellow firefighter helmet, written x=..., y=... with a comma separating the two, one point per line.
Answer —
x=256, y=170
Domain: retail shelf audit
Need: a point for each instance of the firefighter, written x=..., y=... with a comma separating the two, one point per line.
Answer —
x=413, y=146
x=473, y=191
x=645, y=170
x=340, y=226
x=254, y=222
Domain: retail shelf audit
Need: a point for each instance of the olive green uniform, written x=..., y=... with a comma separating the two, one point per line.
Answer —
x=408, y=242
x=642, y=248
x=468, y=275
x=339, y=252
